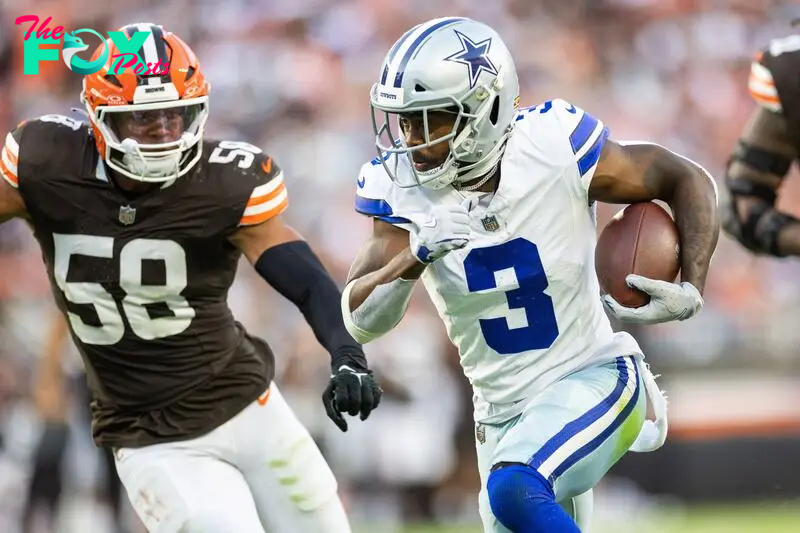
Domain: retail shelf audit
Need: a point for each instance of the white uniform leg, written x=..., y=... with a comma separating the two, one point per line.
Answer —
x=581, y=508
x=487, y=438
x=187, y=487
x=292, y=484
x=575, y=431
x=572, y=432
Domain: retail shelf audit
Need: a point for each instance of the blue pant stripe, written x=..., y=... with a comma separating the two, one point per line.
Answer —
x=578, y=425
x=597, y=441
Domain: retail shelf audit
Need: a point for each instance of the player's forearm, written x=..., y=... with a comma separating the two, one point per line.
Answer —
x=693, y=198
x=403, y=266
x=319, y=309
x=295, y=271
x=381, y=299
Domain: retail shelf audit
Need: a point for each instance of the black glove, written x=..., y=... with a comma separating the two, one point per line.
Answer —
x=352, y=391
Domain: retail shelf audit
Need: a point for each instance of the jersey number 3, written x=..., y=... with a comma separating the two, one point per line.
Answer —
x=483, y=267
x=138, y=295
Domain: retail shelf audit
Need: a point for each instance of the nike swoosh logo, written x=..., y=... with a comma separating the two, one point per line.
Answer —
x=361, y=181
x=572, y=109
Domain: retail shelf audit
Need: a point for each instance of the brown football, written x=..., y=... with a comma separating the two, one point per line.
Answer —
x=641, y=239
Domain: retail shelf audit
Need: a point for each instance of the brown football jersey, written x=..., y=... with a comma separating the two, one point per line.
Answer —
x=774, y=81
x=143, y=280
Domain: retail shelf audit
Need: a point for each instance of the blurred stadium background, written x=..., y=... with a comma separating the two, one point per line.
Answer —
x=292, y=76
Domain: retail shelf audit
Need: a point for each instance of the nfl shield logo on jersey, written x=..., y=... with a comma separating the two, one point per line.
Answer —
x=127, y=214
x=490, y=223
x=480, y=433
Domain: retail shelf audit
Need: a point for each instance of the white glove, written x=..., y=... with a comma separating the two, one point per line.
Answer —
x=444, y=229
x=668, y=301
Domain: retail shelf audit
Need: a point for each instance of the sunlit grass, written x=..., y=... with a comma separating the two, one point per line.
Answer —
x=744, y=518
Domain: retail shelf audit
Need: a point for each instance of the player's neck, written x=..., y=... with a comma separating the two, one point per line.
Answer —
x=131, y=188
x=489, y=186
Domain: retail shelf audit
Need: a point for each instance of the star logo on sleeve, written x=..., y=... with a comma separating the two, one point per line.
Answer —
x=474, y=56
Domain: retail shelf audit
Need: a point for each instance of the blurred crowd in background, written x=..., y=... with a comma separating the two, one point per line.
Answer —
x=292, y=76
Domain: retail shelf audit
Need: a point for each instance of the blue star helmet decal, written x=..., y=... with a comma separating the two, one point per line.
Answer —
x=474, y=56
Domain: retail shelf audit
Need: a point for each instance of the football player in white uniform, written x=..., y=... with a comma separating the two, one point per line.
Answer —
x=493, y=207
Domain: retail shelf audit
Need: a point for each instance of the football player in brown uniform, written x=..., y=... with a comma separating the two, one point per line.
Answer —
x=765, y=151
x=142, y=223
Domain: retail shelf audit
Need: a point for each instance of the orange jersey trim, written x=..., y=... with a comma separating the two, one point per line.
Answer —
x=266, y=215
x=11, y=157
x=8, y=175
x=267, y=201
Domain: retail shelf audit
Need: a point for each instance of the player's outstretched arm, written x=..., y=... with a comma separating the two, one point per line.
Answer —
x=636, y=172
x=758, y=165
x=281, y=256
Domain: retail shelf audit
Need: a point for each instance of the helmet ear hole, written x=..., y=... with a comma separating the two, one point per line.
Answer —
x=419, y=88
x=495, y=113
x=110, y=78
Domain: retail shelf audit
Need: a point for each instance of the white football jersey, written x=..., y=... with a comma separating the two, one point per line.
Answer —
x=521, y=301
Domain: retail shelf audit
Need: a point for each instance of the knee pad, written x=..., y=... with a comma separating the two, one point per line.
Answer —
x=514, y=489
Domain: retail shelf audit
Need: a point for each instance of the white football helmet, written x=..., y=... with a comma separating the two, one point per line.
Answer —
x=454, y=64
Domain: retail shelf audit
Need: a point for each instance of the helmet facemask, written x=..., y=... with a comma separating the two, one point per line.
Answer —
x=122, y=125
x=464, y=162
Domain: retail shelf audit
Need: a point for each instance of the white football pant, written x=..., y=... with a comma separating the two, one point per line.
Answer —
x=260, y=472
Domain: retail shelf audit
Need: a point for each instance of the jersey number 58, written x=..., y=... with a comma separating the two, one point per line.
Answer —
x=137, y=295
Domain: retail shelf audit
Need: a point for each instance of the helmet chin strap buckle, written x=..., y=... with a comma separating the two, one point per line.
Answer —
x=136, y=162
x=129, y=145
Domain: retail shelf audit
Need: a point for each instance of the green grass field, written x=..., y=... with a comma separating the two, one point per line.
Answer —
x=745, y=518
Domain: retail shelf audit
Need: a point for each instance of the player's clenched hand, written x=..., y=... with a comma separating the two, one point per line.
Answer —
x=444, y=229
x=350, y=391
x=668, y=301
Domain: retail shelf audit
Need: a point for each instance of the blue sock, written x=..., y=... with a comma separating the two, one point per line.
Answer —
x=523, y=501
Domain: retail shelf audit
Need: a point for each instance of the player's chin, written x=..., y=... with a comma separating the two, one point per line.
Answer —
x=424, y=164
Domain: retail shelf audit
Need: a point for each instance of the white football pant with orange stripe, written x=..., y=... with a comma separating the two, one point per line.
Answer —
x=260, y=472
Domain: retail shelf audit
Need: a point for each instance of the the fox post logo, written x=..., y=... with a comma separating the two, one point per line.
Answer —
x=128, y=56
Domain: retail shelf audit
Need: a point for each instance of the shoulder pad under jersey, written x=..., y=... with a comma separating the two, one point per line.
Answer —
x=36, y=143
x=378, y=197
x=558, y=130
x=251, y=177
